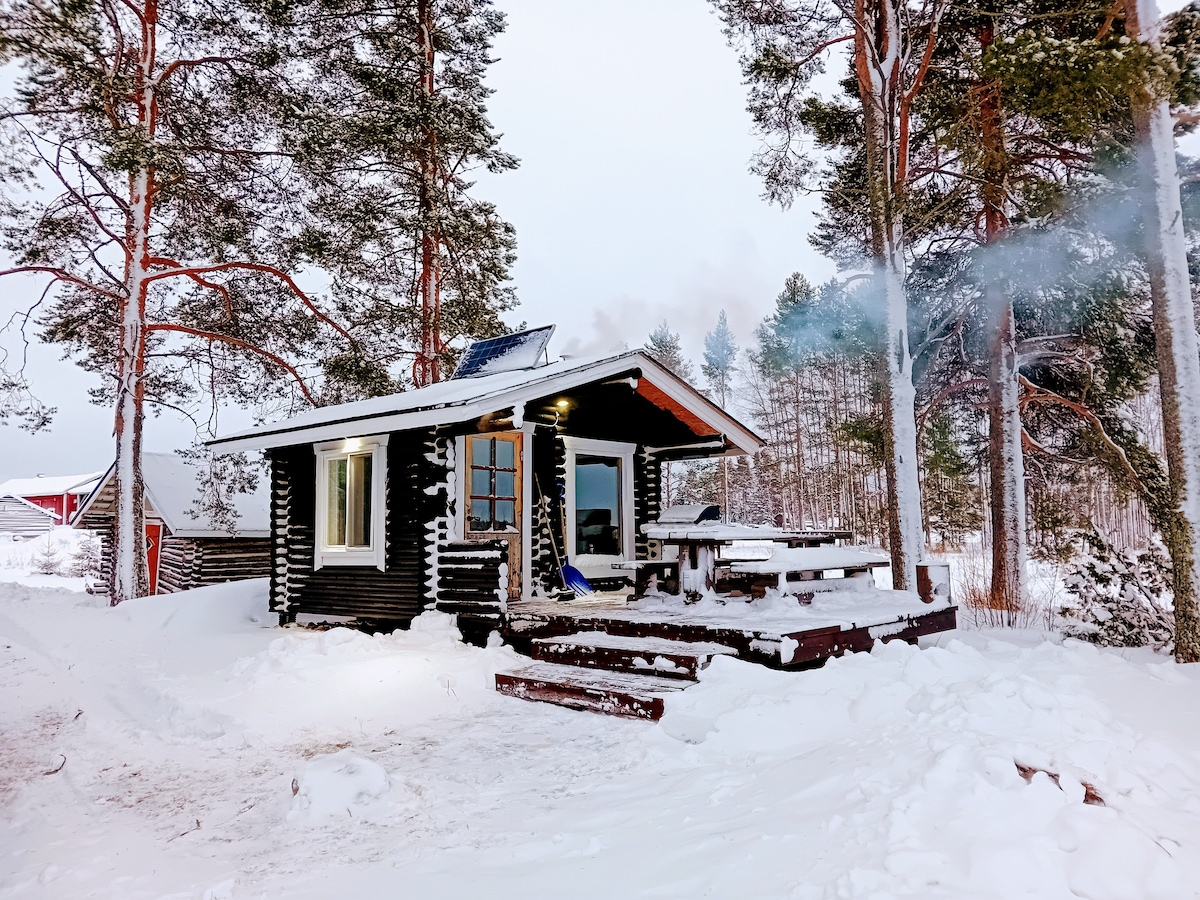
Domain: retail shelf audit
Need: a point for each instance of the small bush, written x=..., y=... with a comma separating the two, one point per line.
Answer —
x=46, y=560
x=1120, y=598
x=85, y=561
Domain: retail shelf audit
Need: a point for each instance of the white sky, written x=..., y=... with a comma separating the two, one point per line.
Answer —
x=632, y=202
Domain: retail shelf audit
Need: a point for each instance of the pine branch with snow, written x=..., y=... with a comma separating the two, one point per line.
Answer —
x=1121, y=598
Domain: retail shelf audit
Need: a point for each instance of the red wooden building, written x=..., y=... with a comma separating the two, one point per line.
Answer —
x=58, y=494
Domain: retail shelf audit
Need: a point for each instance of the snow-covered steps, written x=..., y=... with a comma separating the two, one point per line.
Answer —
x=619, y=653
x=596, y=690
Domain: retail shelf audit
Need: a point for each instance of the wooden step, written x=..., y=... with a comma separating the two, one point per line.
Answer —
x=646, y=656
x=595, y=690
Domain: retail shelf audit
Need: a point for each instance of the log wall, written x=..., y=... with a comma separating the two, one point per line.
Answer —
x=393, y=596
x=17, y=517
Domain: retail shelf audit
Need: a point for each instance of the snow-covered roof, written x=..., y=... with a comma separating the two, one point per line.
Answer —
x=462, y=400
x=50, y=485
x=173, y=485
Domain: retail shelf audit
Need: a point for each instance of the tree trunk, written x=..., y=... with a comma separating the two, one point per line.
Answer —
x=877, y=59
x=1006, y=463
x=428, y=366
x=130, y=569
x=904, y=514
x=1175, y=334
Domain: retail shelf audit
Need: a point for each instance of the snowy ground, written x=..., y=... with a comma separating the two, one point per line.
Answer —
x=209, y=755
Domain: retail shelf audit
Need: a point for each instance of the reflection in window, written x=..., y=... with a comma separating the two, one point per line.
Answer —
x=348, y=511
x=597, y=505
x=493, y=484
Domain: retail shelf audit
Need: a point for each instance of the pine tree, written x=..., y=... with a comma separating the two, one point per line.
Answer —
x=951, y=498
x=206, y=162
x=720, y=360
x=664, y=346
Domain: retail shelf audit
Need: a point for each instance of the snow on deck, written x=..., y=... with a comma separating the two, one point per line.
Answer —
x=773, y=614
x=649, y=645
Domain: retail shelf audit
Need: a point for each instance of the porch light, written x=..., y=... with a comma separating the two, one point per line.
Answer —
x=563, y=404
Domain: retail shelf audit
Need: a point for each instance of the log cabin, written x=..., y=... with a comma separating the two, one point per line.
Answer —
x=468, y=496
x=183, y=551
x=469, y=493
x=19, y=518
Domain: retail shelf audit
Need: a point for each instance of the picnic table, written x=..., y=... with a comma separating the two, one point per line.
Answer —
x=703, y=547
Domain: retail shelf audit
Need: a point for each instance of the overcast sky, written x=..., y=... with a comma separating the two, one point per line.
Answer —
x=632, y=203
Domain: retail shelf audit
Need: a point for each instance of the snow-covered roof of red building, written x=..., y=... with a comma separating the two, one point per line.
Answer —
x=50, y=485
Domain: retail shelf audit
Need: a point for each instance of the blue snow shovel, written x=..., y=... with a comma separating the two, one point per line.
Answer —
x=572, y=578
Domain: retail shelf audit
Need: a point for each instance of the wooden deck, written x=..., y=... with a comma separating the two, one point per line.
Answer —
x=604, y=655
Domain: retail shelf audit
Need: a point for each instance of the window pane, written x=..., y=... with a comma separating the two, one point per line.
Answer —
x=506, y=454
x=481, y=451
x=506, y=513
x=481, y=482
x=506, y=484
x=598, y=505
x=358, y=502
x=481, y=515
x=335, y=518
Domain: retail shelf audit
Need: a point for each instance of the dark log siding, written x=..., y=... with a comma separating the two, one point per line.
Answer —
x=472, y=579
x=186, y=563
x=176, y=562
x=395, y=595
x=647, y=497
x=550, y=471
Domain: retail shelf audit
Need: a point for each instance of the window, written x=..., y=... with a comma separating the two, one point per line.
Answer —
x=492, y=502
x=351, y=476
x=599, y=504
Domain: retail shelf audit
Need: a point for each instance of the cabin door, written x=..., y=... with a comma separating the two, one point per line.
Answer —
x=154, y=536
x=493, y=474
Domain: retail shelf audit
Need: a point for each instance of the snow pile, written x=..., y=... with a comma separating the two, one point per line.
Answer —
x=22, y=560
x=342, y=785
x=183, y=746
x=908, y=758
x=216, y=610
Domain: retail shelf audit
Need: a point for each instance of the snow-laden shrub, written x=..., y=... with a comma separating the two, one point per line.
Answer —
x=1119, y=598
x=46, y=559
x=84, y=561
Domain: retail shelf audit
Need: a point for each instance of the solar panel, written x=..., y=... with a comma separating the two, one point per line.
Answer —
x=506, y=353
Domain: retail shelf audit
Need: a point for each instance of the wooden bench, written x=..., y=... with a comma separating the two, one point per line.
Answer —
x=802, y=569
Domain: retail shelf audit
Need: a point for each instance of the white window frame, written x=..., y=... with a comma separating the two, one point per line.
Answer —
x=323, y=554
x=616, y=450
